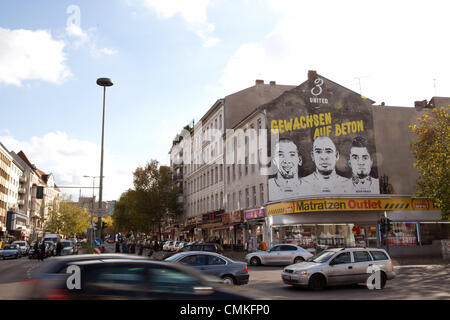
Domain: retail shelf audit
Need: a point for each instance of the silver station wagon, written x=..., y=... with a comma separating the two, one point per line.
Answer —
x=281, y=254
x=339, y=267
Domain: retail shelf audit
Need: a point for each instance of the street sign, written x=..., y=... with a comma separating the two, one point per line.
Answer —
x=103, y=212
x=97, y=242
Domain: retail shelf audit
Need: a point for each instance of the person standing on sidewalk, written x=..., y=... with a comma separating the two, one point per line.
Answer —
x=117, y=247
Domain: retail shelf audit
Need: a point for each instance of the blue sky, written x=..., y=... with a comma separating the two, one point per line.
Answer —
x=172, y=59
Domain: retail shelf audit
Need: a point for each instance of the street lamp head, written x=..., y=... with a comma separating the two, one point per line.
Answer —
x=104, y=82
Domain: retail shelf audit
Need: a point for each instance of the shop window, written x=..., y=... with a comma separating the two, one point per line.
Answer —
x=402, y=234
x=433, y=231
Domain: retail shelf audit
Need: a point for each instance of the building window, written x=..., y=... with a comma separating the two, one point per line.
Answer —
x=234, y=201
x=246, y=165
x=220, y=121
x=247, y=198
x=228, y=174
x=221, y=172
x=240, y=204
x=261, y=194
x=221, y=200
x=254, y=195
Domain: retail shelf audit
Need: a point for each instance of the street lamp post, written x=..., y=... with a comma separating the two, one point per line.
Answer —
x=93, y=201
x=103, y=82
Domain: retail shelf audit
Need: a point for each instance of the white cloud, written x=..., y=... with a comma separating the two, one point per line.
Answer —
x=396, y=52
x=192, y=11
x=31, y=55
x=81, y=38
x=70, y=159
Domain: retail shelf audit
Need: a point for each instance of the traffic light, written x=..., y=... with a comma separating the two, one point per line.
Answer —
x=40, y=193
x=388, y=225
x=383, y=224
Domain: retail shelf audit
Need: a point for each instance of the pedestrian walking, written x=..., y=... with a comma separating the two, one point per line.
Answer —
x=124, y=247
x=133, y=248
x=117, y=247
x=58, y=248
x=141, y=249
x=42, y=252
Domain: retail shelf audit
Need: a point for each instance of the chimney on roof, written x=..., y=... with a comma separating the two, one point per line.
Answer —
x=420, y=104
x=259, y=82
x=312, y=74
x=272, y=83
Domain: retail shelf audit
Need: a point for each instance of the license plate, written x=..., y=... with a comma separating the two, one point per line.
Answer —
x=287, y=277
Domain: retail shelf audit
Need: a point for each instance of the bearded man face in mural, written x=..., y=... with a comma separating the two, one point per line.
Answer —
x=287, y=160
x=361, y=164
x=324, y=179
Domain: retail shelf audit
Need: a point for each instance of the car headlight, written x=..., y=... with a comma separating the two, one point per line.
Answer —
x=304, y=272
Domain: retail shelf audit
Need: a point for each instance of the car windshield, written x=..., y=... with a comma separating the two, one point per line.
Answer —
x=9, y=247
x=20, y=243
x=322, y=257
x=66, y=244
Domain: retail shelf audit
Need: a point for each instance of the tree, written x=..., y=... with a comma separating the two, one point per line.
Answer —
x=68, y=218
x=432, y=153
x=146, y=207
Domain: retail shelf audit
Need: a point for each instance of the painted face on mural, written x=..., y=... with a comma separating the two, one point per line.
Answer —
x=287, y=159
x=324, y=155
x=360, y=162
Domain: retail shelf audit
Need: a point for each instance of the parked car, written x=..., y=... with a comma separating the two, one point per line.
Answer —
x=281, y=254
x=209, y=247
x=24, y=247
x=10, y=251
x=210, y=263
x=68, y=247
x=124, y=278
x=166, y=245
x=50, y=248
x=338, y=267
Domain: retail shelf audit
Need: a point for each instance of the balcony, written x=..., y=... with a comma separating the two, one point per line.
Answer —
x=22, y=190
x=21, y=202
x=22, y=179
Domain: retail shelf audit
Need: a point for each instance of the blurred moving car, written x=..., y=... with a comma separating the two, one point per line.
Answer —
x=281, y=254
x=339, y=266
x=52, y=237
x=231, y=272
x=123, y=278
x=23, y=246
x=68, y=247
x=10, y=251
x=209, y=247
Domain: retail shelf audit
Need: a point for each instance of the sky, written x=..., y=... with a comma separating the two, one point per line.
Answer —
x=170, y=60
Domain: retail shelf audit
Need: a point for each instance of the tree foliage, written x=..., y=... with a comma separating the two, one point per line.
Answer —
x=145, y=207
x=432, y=153
x=68, y=219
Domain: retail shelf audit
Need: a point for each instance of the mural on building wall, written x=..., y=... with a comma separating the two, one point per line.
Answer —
x=325, y=143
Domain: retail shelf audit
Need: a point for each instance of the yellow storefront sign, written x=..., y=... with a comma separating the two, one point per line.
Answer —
x=350, y=204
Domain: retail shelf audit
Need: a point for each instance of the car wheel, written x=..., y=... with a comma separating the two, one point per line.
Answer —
x=228, y=280
x=255, y=261
x=298, y=259
x=317, y=282
x=16, y=257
